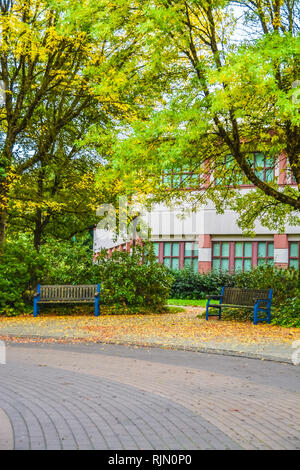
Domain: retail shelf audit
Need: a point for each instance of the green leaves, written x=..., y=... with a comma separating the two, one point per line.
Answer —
x=218, y=98
x=133, y=280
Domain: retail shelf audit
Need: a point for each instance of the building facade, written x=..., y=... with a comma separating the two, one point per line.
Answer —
x=206, y=240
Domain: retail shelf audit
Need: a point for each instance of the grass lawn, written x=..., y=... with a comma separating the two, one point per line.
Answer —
x=188, y=302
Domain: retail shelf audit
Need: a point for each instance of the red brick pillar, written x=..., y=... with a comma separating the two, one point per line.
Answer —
x=205, y=253
x=281, y=251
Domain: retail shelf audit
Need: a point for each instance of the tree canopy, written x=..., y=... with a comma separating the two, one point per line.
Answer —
x=229, y=90
x=62, y=80
x=149, y=94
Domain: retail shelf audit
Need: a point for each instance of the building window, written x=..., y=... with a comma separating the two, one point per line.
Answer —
x=265, y=253
x=241, y=256
x=290, y=177
x=176, y=255
x=191, y=255
x=264, y=167
x=181, y=179
x=171, y=255
x=220, y=260
x=294, y=255
x=156, y=249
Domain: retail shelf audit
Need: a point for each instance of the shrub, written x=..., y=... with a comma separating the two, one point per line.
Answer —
x=132, y=285
x=288, y=313
x=21, y=267
x=69, y=262
x=191, y=285
x=285, y=310
x=284, y=282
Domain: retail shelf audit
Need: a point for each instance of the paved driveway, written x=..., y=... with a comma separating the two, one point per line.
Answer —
x=91, y=396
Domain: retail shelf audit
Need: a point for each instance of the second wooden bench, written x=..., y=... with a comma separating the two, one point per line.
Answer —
x=257, y=299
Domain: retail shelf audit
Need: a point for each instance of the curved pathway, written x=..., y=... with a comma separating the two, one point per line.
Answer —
x=113, y=397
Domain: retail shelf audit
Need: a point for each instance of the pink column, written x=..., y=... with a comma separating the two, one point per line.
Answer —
x=281, y=250
x=205, y=253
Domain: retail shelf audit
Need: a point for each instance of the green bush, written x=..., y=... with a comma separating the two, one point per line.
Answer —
x=192, y=285
x=288, y=313
x=284, y=282
x=69, y=262
x=132, y=285
x=285, y=309
x=21, y=267
x=127, y=285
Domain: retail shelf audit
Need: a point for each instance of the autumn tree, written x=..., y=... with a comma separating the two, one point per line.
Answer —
x=61, y=81
x=226, y=95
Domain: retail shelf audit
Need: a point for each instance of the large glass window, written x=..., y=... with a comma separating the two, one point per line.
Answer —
x=242, y=256
x=230, y=173
x=181, y=178
x=176, y=255
x=294, y=255
x=191, y=255
x=156, y=249
x=171, y=255
x=264, y=167
x=220, y=256
x=265, y=253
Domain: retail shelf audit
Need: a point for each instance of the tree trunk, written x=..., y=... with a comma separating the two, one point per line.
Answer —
x=38, y=230
x=3, y=213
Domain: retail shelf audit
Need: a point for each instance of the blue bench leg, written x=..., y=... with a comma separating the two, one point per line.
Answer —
x=255, y=315
x=97, y=307
x=207, y=307
x=36, y=308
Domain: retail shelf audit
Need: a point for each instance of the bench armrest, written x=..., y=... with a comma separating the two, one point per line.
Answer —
x=261, y=300
x=214, y=297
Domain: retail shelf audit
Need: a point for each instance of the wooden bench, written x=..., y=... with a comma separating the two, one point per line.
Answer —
x=257, y=299
x=66, y=294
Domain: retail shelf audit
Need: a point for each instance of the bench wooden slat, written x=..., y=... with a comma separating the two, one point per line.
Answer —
x=86, y=293
x=236, y=296
x=258, y=299
x=80, y=292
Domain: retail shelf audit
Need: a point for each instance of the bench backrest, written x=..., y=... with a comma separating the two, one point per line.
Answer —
x=68, y=292
x=238, y=296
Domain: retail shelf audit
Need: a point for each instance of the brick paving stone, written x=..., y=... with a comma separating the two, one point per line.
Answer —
x=84, y=398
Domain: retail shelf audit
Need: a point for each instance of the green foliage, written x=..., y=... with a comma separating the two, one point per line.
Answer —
x=69, y=262
x=21, y=267
x=285, y=308
x=284, y=282
x=215, y=93
x=129, y=284
x=192, y=285
x=288, y=313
